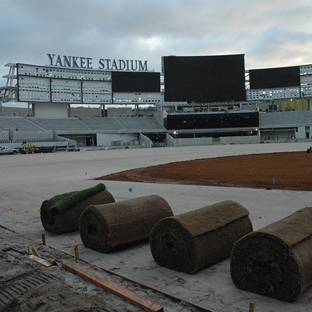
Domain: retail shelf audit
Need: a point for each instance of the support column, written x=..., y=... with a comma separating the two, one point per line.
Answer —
x=28, y=109
x=137, y=109
x=33, y=109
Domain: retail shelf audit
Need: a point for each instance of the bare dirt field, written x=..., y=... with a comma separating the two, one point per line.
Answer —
x=287, y=171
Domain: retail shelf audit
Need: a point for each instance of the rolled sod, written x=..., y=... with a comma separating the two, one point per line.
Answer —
x=61, y=213
x=276, y=261
x=118, y=225
x=194, y=240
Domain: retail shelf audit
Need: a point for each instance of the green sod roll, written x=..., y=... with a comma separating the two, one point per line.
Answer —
x=61, y=213
x=276, y=261
x=118, y=225
x=194, y=240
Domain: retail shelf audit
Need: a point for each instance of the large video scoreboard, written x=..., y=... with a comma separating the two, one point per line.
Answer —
x=203, y=79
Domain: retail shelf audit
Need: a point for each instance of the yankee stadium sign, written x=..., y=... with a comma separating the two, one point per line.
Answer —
x=105, y=64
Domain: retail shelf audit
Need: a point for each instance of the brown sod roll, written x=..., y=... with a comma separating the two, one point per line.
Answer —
x=61, y=213
x=194, y=240
x=117, y=225
x=276, y=261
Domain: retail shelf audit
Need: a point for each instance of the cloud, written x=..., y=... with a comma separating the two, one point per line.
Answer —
x=269, y=33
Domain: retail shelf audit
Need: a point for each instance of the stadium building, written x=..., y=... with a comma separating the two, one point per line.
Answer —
x=195, y=100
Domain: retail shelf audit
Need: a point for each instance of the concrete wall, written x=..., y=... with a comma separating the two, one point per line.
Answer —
x=285, y=119
x=187, y=142
x=301, y=133
x=170, y=141
x=207, y=141
x=4, y=135
x=193, y=141
x=145, y=141
x=159, y=116
x=50, y=110
x=283, y=135
x=85, y=112
x=240, y=139
x=274, y=135
x=105, y=139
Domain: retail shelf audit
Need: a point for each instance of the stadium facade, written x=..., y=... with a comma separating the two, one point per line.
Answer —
x=195, y=100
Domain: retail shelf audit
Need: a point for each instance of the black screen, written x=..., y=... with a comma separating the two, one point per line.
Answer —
x=191, y=121
x=274, y=77
x=135, y=82
x=204, y=79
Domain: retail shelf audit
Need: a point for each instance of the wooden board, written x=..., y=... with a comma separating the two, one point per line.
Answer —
x=129, y=296
x=40, y=260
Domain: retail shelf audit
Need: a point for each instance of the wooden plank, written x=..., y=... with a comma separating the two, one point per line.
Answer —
x=32, y=250
x=52, y=261
x=36, y=252
x=172, y=297
x=40, y=260
x=131, y=297
x=252, y=307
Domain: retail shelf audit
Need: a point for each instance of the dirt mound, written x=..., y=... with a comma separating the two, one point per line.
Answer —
x=288, y=171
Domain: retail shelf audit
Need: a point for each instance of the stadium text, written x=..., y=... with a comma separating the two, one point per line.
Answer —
x=106, y=64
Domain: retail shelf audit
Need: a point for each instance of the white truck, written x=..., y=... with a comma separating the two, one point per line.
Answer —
x=8, y=150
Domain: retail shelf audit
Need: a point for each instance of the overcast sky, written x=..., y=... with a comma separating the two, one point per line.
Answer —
x=271, y=33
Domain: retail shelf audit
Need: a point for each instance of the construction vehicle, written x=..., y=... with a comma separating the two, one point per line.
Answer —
x=29, y=148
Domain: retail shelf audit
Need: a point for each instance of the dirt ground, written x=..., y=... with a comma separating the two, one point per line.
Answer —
x=287, y=171
x=27, y=286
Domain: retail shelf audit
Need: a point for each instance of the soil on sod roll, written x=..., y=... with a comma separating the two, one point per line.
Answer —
x=288, y=171
x=118, y=225
x=194, y=240
x=276, y=261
